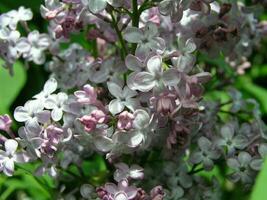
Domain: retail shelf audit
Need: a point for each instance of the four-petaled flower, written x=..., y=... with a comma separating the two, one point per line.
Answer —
x=9, y=156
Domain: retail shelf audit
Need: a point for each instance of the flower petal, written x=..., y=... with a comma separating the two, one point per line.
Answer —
x=115, y=106
x=11, y=146
x=133, y=35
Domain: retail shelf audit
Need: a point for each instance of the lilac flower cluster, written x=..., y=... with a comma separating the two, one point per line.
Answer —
x=138, y=99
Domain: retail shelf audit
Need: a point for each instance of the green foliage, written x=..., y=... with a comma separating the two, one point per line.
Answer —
x=10, y=86
x=259, y=191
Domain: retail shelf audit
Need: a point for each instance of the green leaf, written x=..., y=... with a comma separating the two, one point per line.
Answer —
x=10, y=86
x=246, y=85
x=259, y=191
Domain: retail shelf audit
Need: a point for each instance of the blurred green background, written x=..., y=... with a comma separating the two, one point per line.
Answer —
x=16, y=90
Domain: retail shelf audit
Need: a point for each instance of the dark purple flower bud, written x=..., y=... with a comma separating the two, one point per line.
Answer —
x=164, y=103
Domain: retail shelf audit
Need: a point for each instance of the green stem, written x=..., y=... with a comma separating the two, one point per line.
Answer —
x=196, y=171
x=135, y=14
x=135, y=20
x=122, y=42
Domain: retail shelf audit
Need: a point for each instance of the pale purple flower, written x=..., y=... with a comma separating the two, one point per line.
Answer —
x=56, y=103
x=5, y=122
x=12, y=17
x=35, y=45
x=147, y=40
x=121, y=192
x=49, y=87
x=174, y=8
x=31, y=112
x=123, y=171
x=51, y=138
x=86, y=96
x=10, y=156
x=154, y=77
x=124, y=97
x=51, y=9
x=125, y=120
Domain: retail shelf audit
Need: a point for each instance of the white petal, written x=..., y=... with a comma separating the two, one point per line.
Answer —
x=136, y=138
x=115, y=89
x=133, y=35
x=115, y=106
x=23, y=45
x=50, y=102
x=11, y=146
x=154, y=65
x=128, y=93
x=144, y=81
x=24, y=14
x=8, y=167
x=171, y=77
x=50, y=86
x=151, y=30
x=141, y=120
x=103, y=144
x=56, y=114
x=21, y=114
x=96, y=6
x=133, y=63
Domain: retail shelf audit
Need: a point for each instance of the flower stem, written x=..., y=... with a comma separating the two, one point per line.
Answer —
x=135, y=20
x=122, y=42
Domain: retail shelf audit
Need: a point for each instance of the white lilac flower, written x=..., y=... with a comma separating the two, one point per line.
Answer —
x=51, y=8
x=73, y=68
x=154, y=77
x=174, y=8
x=31, y=112
x=30, y=139
x=56, y=103
x=123, y=171
x=49, y=87
x=124, y=97
x=121, y=192
x=10, y=156
x=36, y=44
x=12, y=18
x=185, y=60
x=136, y=65
x=123, y=142
x=96, y=6
x=147, y=40
x=107, y=70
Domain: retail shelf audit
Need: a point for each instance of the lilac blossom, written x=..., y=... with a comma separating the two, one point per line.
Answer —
x=124, y=98
x=56, y=102
x=155, y=77
x=5, y=122
x=147, y=39
x=10, y=156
